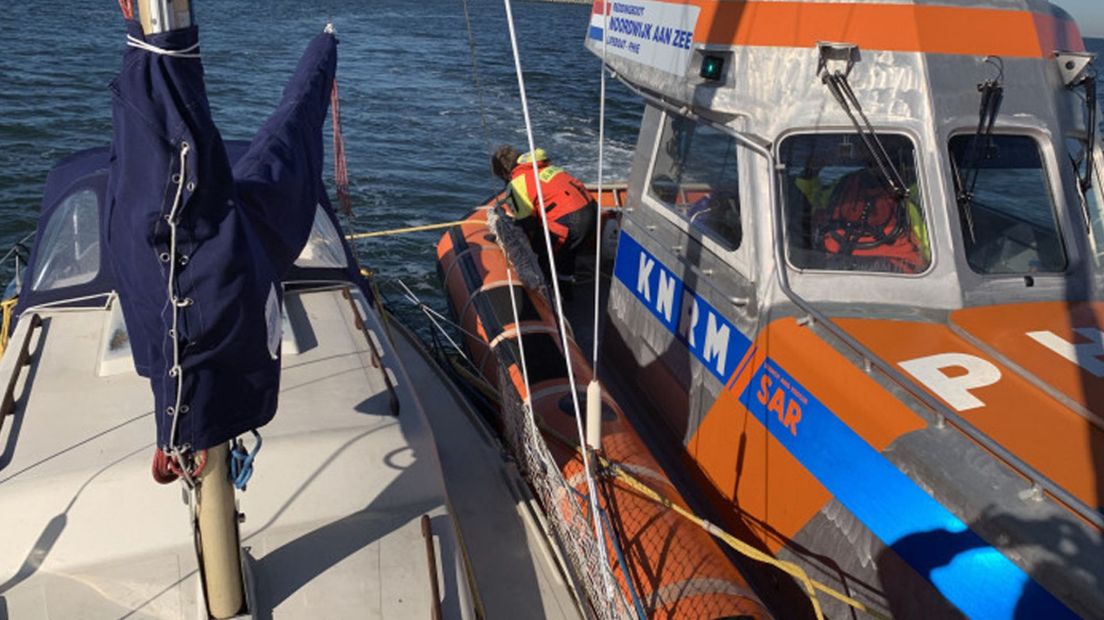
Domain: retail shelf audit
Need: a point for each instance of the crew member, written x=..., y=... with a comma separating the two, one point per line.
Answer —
x=570, y=211
x=859, y=216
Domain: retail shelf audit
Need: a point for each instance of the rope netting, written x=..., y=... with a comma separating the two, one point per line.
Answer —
x=569, y=518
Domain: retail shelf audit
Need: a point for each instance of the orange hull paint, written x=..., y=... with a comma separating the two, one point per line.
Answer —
x=672, y=564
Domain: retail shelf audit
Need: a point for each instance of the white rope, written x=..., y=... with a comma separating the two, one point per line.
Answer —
x=601, y=152
x=178, y=408
x=521, y=344
x=600, y=539
x=187, y=52
x=430, y=312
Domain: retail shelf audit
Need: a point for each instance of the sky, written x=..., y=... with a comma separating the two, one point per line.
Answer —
x=1088, y=13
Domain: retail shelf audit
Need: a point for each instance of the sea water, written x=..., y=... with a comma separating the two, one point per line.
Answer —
x=417, y=130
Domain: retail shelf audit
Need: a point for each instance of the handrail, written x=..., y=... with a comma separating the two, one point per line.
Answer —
x=7, y=311
x=15, y=364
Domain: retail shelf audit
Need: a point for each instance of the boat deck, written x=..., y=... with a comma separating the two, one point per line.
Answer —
x=333, y=512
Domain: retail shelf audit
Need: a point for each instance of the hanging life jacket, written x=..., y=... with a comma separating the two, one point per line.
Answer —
x=563, y=193
x=865, y=219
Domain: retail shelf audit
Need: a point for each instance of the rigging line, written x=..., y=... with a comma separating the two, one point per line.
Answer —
x=521, y=346
x=15, y=246
x=475, y=77
x=598, y=207
x=562, y=320
x=430, y=312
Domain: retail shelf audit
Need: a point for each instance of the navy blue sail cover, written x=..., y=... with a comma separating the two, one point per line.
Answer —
x=239, y=231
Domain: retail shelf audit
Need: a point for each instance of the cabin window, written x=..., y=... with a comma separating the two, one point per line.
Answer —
x=695, y=176
x=323, y=248
x=841, y=211
x=69, y=250
x=1005, y=206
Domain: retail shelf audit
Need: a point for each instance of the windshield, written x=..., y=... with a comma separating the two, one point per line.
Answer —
x=696, y=178
x=842, y=214
x=1008, y=222
x=69, y=250
x=323, y=247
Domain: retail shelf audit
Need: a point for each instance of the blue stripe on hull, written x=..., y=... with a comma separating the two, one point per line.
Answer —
x=974, y=576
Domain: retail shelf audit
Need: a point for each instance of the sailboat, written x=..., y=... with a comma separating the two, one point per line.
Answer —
x=217, y=274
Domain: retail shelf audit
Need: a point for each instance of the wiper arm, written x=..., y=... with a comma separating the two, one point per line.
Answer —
x=1089, y=84
x=992, y=96
x=837, y=84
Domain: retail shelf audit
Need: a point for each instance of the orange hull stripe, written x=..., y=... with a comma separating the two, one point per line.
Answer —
x=890, y=27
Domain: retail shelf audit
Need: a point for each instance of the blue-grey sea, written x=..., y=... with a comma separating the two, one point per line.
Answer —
x=417, y=129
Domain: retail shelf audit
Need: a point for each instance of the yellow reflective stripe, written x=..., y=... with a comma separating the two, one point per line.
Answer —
x=548, y=173
x=818, y=195
x=916, y=218
x=523, y=207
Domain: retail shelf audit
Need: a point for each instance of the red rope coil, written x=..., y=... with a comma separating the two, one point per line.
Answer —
x=341, y=169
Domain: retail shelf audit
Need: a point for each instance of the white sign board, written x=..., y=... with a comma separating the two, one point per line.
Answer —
x=656, y=34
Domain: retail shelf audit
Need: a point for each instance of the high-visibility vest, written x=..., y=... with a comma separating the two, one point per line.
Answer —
x=563, y=193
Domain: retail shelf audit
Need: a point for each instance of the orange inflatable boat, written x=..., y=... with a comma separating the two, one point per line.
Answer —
x=666, y=566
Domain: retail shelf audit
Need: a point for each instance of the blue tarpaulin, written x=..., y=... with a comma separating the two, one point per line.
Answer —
x=238, y=231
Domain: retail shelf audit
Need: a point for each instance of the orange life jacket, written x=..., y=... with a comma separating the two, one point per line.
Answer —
x=563, y=193
x=866, y=219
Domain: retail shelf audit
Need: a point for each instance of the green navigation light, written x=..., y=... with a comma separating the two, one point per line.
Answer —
x=712, y=67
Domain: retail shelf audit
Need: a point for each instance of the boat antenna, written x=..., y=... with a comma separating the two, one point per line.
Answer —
x=599, y=537
x=981, y=147
x=838, y=84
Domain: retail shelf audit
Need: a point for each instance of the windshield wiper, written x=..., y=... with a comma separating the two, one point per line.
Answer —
x=1088, y=82
x=837, y=84
x=992, y=96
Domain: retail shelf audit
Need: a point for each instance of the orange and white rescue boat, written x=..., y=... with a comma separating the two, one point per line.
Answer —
x=854, y=318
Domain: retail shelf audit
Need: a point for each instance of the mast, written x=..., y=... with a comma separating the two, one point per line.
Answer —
x=164, y=15
x=215, y=516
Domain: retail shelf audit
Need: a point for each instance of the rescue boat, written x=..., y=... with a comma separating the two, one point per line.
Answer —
x=854, y=316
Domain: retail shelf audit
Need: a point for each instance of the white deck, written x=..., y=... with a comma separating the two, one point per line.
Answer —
x=333, y=510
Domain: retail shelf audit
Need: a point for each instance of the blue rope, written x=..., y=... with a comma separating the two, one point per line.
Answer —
x=241, y=462
x=624, y=568
x=637, y=603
